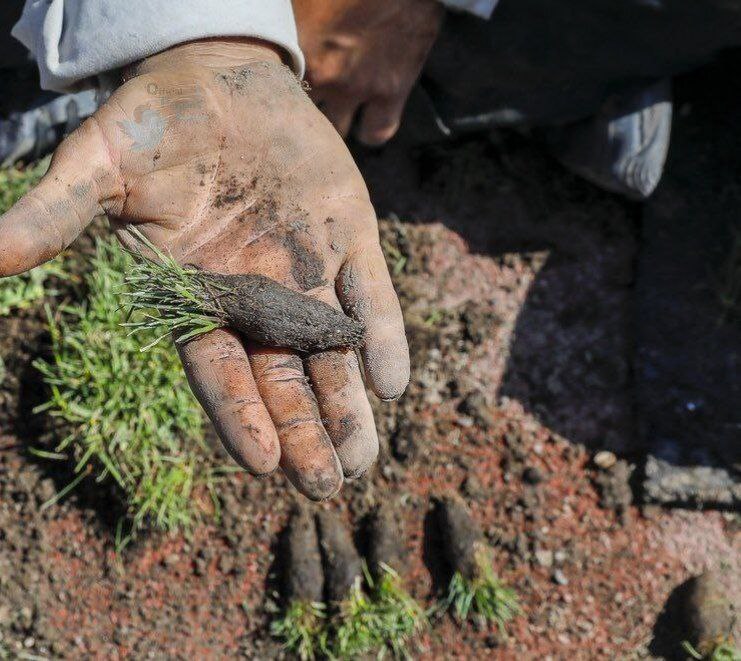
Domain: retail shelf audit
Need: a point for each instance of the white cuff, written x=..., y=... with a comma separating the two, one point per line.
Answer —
x=76, y=40
x=480, y=8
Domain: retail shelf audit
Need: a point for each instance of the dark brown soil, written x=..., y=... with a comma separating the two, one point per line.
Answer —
x=460, y=536
x=301, y=560
x=385, y=533
x=342, y=563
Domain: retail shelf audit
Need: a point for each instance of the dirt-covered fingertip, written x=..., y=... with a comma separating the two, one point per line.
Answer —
x=259, y=464
x=387, y=371
x=358, y=455
x=318, y=485
x=357, y=472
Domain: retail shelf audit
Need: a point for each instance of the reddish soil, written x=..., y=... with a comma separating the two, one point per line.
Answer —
x=516, y=288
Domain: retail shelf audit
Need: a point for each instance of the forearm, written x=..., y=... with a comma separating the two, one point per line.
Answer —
x=75, y=41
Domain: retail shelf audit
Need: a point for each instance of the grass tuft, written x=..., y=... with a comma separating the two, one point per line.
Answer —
x=127, y=418
x=384, y=618
x=171, y=299
x=486, y=596
x=301, y=630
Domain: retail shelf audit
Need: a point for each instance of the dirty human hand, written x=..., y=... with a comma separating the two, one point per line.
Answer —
x=363, y=58
x=215, y=153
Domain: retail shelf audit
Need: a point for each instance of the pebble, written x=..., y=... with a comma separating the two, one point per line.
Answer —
x=532, y=475
x=171, y=560
x=544, y=557
x=472, y=487
x=605, y=459
x=226, y=564
x=560, y=578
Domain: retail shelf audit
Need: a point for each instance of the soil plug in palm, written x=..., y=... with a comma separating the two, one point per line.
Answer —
x=301, y=624
x=213, y=151
x=474, y=588
x=190, y=302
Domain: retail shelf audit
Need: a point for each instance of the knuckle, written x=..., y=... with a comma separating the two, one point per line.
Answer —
x=299, y=426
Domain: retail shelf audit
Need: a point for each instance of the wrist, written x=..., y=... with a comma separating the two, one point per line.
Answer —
x=218, y=53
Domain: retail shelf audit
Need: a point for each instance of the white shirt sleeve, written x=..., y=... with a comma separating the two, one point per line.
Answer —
x=481, y=8
x=76, y=40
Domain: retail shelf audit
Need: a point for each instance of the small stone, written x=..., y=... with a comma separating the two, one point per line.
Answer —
x=491, y=641
x=171, y=560
x=544, y=557
x=710, y=607
x=560, y=557
x=472, y=488
x=531, y=475
x=475, y=406
x=605, y=459
x=584, y=625
x=200, y=567
x=465, y=421
x=226, y=564
x=26, y=618
x=560, y=578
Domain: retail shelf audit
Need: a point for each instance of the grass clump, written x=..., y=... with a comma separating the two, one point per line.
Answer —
x=380, y=619
x=20, y=292
x=484, y=596
x=301, y=629
x=129, y=419
x=170, y=299
x=384, y=618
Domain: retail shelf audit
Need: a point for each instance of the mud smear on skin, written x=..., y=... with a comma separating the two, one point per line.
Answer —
x=307, y=266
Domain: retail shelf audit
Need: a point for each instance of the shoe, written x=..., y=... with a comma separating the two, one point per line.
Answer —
x=29, y=135
x=623, y=147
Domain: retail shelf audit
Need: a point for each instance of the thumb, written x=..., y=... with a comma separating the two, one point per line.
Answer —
x=81, y=178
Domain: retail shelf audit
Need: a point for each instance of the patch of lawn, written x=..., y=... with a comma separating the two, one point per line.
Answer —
x=382, y=620
x=301, y=629
x=129, y=416
x=485, y=596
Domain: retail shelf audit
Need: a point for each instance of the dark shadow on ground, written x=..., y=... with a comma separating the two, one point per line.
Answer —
x=621, y=280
